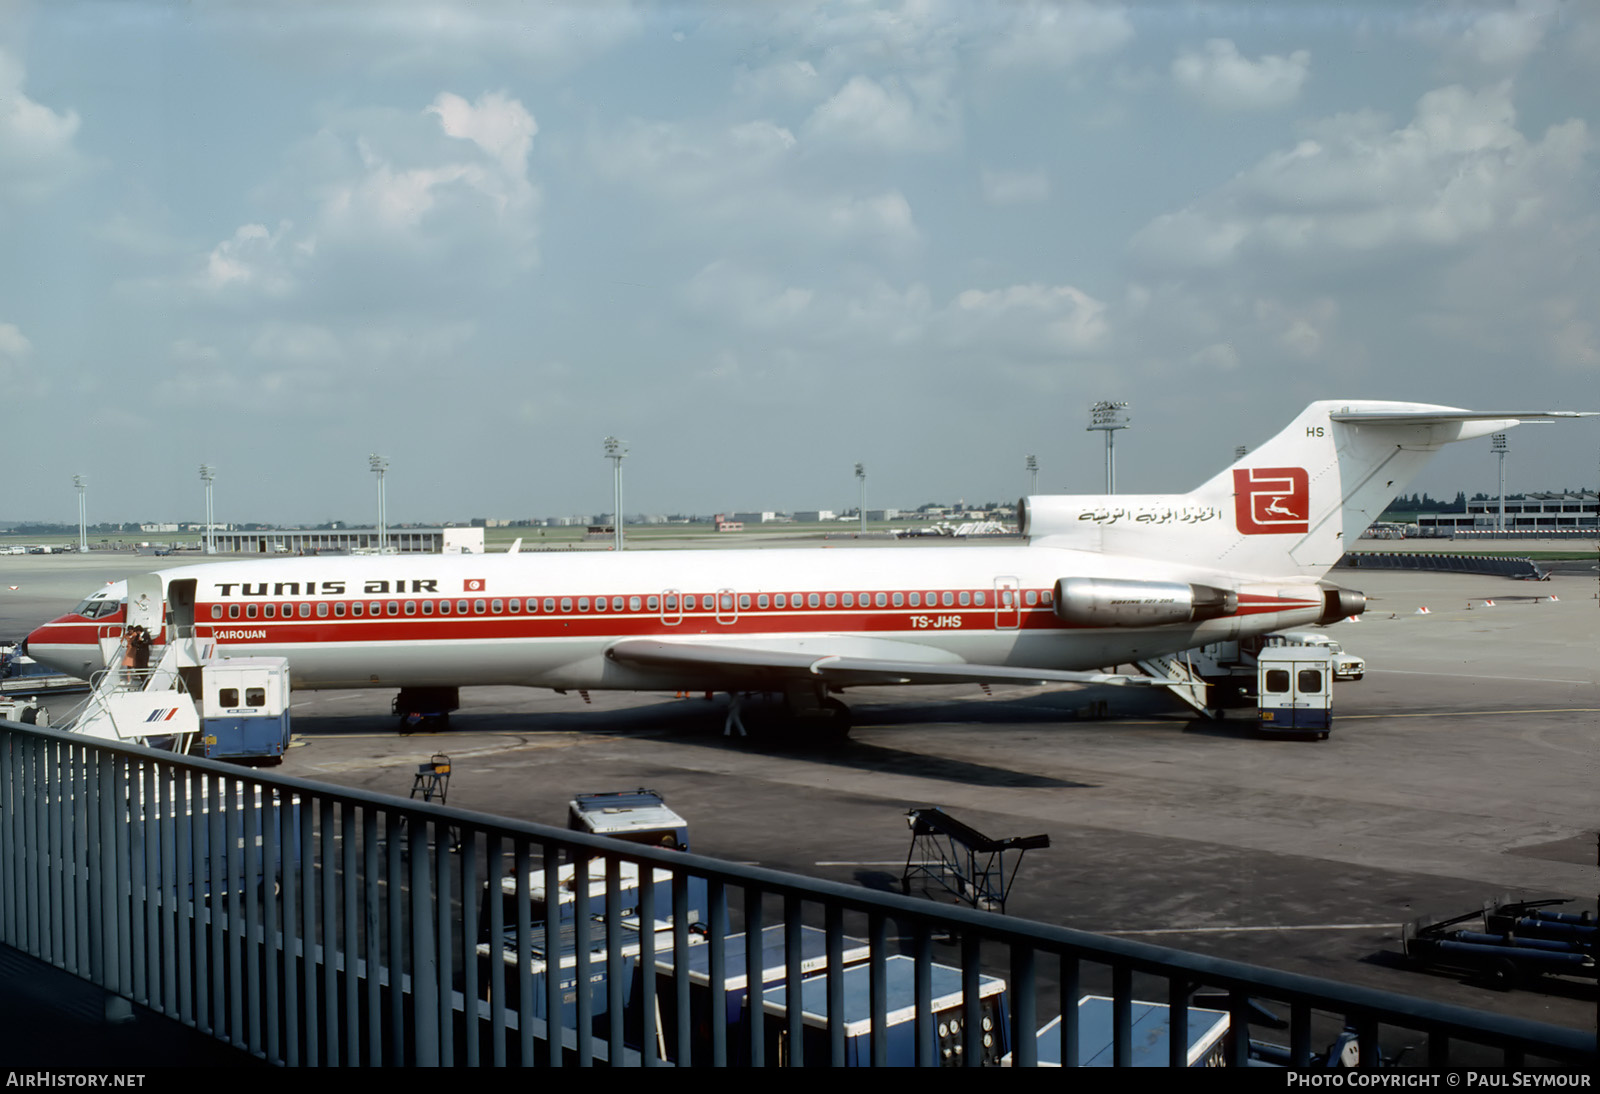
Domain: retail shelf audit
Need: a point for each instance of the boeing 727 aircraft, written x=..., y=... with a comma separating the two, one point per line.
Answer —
x=1101, y=581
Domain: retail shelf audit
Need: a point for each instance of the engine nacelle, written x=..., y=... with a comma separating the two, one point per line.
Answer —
x=1340, y=604
x=1113, y=602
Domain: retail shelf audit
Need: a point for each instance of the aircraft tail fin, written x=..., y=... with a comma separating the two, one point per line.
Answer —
x=1287, y=508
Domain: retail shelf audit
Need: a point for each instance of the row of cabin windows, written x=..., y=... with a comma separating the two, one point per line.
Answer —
x=674, y=602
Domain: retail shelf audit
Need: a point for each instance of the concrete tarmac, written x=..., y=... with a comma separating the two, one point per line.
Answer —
x=1463, y=767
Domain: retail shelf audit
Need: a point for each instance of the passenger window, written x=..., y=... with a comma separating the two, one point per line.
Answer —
x=744, y=602
x=1005, y=598
x=599, y=603
x=394, y=607
x=216, y=611
x=249, y=611
x=566, y=604
x=949, y=599
x=965, y=600
x=650, y=603
x=831, y=601
x=228, y=697
x=633, y=603
x=583, y=603
x=727, y=602
x=233, y=611
x=444, y=607
x=322, y=609
x=849, y=600
x=616, y=603
x=411, y=607
x=916, y=600
x=763, y=601
x=898, y=599
x=514, y=605
x=427, y=607
x=881, y=600
x=813, y=601
x=498, y=607
x=255, y=697
x=549, y=604
x=376, y=608
x=1030, y=598
x=980, y=599
x=338, y=608
x=357, y=608
x=1277, y=681
x=478, y=607
x=781, y=601
x=461, y=607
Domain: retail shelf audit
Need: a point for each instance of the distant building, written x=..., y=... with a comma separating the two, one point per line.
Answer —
x=756, y=518
x=162, y=527
x=1532, y=512
x=812, y=516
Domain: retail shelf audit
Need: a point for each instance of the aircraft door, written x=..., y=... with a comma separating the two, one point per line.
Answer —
x=727, y=606
x=671, y=607
x=144, y=603
x=1007, y=603
x=180, y=601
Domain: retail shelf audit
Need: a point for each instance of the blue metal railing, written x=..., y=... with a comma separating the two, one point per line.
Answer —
x=315, y=925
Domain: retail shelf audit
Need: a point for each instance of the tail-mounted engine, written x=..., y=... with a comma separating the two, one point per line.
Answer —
x=1340, y=604
x=1110, y=602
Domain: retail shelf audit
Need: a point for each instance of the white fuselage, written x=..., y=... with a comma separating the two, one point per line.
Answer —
x=547, y=619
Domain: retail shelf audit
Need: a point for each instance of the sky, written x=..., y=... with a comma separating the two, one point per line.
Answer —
x=762, y=243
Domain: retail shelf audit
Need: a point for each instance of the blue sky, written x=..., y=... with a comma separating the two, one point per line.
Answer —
x=764, y=242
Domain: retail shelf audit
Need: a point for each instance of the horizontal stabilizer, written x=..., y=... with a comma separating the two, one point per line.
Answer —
x=1436, y=416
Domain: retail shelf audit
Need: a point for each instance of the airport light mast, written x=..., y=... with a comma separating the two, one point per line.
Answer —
x=616, y=452
x=1109, y=417
x=379, y=465
x=208, y=475
x=861, y=476
x=1033, y=475
x=82, y=484
x=1497, y=444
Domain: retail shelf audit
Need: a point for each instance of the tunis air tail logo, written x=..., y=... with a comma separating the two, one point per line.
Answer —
x=1271, y=500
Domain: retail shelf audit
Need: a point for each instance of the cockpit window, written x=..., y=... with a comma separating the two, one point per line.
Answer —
x=95, y=607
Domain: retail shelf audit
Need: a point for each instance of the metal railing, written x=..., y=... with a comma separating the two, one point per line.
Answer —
x=314, y=925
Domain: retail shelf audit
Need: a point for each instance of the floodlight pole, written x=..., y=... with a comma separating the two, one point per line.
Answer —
x=1033, y=475
x=861, y=478
x=379, y=465
x=1109, y=416
x=616, y=452
x=1497, y=444
x=82, y=484
x=208, y=474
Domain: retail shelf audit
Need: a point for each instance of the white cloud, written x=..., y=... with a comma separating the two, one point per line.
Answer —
x=1222, y=79
x=1038, y=318
x=403, y=183
x=885, y=117
x=1459, y=170
x=502, y=127
x=36, y=150
x=1015, y=187
x=748, y=177
x=1058, y=35
x=255, y=259
x=1497, y=36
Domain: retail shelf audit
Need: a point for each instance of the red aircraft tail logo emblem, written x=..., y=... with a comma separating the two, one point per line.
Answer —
x=1271, y=500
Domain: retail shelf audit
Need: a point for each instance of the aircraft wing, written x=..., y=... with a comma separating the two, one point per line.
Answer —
x=809, y=657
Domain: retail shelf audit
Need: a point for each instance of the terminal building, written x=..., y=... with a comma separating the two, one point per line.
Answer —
x=1532, y=512
x=286, y=541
